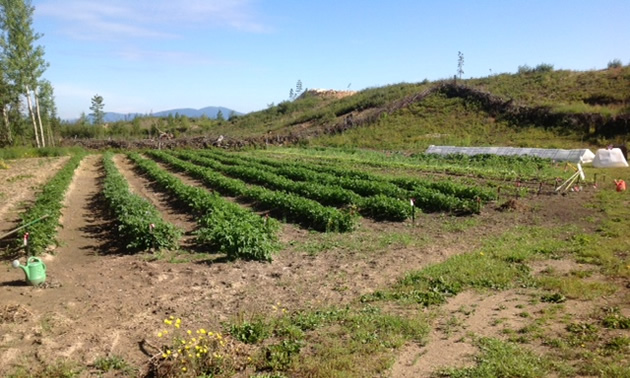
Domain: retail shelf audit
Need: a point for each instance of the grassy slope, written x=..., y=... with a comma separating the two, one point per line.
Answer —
x=441, y=120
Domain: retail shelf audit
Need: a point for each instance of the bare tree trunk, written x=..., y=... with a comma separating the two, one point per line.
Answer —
x=39, y=118
x=30, y=111
x=5, y=118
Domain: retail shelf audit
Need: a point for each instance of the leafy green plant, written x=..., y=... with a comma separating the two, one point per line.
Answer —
x=139, y=222
x=222, y=224
x=250, y=332
x=43, y=233
x=281, y=204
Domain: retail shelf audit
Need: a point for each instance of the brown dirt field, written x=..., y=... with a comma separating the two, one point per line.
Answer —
x=19, y=185
x=100, y=301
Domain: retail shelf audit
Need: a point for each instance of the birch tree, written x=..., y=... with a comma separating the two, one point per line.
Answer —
x=22, y=62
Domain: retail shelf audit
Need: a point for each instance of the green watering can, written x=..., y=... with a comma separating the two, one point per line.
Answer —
x=35, y=270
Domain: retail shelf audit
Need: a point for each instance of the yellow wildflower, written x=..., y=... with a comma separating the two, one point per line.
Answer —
x=159, y=334
x=203, y=331
x=164, y=355
x=171, y=317
x=189, y=332
x=184, y=369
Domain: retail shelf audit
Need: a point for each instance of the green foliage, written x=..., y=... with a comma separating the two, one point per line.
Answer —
x=614, y=319
x=97, y=106
x=222, y=224
x=114, y=363
x=29, y=152
x=250, y=332
x=615, y=63
x=140, y=224
x=500, y=359
x=49, y=202
x=281, y=204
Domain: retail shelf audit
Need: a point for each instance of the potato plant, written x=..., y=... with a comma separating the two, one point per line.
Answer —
x=49, y=202
x=291, y=207
x=139, y=222
x=223, y=225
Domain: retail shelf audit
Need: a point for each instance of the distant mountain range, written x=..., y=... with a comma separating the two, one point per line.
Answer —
x=209, y=111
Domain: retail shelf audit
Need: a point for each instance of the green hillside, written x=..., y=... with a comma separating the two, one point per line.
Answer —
x=585, y=106
x=536, y=107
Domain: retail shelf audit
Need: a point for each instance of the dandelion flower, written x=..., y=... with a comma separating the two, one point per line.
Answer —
x=159, y=334
x=203, y=331
x=164, y=355
x=176, y=325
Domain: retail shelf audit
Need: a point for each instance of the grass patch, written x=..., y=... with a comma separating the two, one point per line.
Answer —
x=501, y=359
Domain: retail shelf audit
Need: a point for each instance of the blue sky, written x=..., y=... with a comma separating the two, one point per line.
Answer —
x=144, y=56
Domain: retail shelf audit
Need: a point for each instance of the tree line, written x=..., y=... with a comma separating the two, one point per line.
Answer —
x=29, y=114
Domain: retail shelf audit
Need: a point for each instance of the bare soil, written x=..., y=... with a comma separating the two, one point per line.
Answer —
x=101, y=301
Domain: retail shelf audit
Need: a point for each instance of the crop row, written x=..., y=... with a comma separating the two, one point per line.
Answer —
x=221, y=224
x=427, y=198
x=411, y=184
x=379, y=207
x=139, y=222
x=48, y=203
x=303, y=211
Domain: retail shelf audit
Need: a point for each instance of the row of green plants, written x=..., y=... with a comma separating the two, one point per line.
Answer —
x=231, y=229
x=483, y=166
x=303, y=211
x=410, y=184
x=139, y=223
x=43, y=233
x=379, y=207
x=383, y=195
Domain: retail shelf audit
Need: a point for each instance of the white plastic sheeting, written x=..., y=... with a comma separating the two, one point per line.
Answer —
x=574, y=156
x=611, y=158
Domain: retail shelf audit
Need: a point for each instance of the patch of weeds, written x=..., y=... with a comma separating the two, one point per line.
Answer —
x=455, y=224
x=19, y=177
x=310, y=320
x=553, y=298
x=501, y=359
x=62, y=369
x=279, y=356
x=573, y=287
x=580, y=333
x=250, y=332
x=524, y=314
x=581, y=273
x=618, y=344
x=615, y=320
x=111, y=363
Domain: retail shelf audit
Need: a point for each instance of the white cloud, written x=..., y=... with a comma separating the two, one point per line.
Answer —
x=121, y=20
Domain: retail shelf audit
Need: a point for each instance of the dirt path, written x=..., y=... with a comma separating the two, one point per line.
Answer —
x=19, y=187
x=165, y=205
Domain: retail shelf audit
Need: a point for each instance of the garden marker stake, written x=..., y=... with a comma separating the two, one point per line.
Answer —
x=25, y=243
x=413, y=211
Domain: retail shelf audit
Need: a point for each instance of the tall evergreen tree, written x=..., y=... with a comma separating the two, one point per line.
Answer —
x=22, y=62
x=98, y=115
